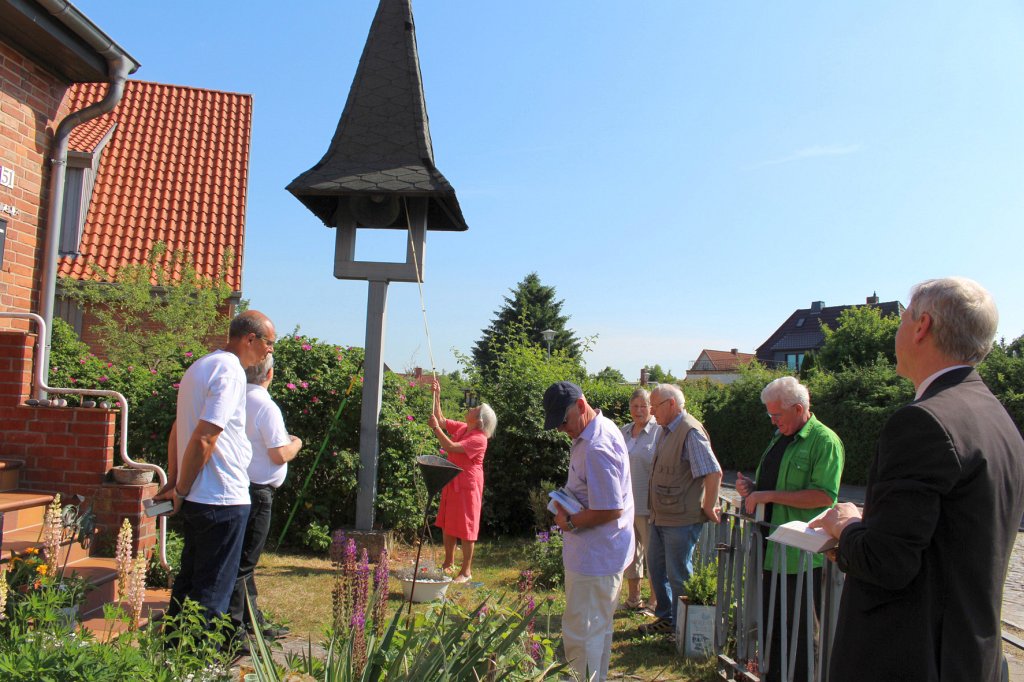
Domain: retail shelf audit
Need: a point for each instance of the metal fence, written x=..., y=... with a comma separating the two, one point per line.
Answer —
x=742, y=640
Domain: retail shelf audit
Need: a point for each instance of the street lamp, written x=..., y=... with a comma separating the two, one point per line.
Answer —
x=469, y=397
x=548, y=335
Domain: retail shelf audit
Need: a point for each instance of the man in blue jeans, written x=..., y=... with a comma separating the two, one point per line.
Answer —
x=683, y=495
x=208, y=455
x=272, y=448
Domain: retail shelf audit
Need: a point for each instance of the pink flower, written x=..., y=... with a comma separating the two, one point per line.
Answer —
x=304, y=384
x=110, y=364
x=441, y=451
x=74, y=380
x=82, y=361
x=298, y=338
x=188, y=354
x=409, y=417
x=290, y=386
x=176, y=386
x=152, y=371
x=131, y=368
x=102, y=379
x=305, y=411
x=306, y=346
x=412, y=384
x=154, y=392
x=315, y=399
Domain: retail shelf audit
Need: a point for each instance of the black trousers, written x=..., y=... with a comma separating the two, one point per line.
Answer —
x=774, y=671
x=256, y=531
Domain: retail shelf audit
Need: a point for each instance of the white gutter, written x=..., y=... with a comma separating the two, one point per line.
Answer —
x=119, y=64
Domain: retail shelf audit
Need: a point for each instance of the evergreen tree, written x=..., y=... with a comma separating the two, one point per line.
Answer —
x=530, y=309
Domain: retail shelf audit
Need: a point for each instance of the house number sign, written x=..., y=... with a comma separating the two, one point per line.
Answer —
x=6, y=177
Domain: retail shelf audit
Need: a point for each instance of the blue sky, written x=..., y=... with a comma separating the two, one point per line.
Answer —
x=685, y=174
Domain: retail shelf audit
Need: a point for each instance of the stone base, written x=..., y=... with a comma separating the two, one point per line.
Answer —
x=374, y=541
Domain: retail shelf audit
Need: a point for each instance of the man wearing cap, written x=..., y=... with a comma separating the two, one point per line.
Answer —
x=597, y=540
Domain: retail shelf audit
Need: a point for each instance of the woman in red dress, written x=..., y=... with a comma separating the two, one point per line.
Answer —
x=459, y=514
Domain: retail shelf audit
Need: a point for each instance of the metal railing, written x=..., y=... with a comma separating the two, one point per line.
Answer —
x=743, y=641
x=39, y=374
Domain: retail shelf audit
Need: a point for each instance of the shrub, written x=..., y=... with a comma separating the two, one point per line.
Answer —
x=544, y=557
x=157, y=575
x=702, y=586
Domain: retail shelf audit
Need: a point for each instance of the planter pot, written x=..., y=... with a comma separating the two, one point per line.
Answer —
x=130, y=476
x=425, y=590
x=695, y=630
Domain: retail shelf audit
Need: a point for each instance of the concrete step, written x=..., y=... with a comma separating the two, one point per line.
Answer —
x=154, y=605
x=23, y=538
x=102, y=574
x=10, y=476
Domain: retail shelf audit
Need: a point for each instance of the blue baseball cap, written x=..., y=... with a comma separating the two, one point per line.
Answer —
x=557, y=400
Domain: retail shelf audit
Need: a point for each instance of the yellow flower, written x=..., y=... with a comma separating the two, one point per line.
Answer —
x=32, y=550
x=41, y=569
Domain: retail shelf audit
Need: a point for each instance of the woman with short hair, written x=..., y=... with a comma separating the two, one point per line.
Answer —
x=458, y=516
x=640, y=436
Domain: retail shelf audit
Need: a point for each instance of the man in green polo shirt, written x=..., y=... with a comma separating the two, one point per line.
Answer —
x=797, y=479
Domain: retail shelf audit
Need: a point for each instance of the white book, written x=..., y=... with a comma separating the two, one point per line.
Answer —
x=566, y=499
x=797, y=534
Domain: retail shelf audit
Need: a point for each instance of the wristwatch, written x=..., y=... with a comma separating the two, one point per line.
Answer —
x=570, y=524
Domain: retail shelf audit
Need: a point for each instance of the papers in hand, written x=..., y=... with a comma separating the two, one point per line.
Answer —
x=566, y=499
x=797, y=534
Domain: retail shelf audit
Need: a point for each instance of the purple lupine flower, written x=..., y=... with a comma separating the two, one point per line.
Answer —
x=543, y=536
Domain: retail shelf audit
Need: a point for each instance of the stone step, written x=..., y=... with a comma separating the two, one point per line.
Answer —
x=102, y=574
x=23, y=508
x=10, y=476
x=154, y=605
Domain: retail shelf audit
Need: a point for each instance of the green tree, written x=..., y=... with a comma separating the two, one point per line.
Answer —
x=147, y=317
x=610, y=375
x=861, y=336
x=1003, y=371
x=529, y=310
x=660, y=376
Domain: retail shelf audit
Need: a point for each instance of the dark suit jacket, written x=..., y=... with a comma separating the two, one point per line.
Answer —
x=925, y=568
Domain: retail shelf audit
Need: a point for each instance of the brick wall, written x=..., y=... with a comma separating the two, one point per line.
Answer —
x=66, y=450
x=30, y=101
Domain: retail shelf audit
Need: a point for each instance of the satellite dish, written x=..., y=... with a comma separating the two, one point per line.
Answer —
x=376, y=210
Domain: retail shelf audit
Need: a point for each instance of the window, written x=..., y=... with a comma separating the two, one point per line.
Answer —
x=794, y=360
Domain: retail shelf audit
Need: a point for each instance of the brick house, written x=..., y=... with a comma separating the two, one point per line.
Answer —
x=721, y=366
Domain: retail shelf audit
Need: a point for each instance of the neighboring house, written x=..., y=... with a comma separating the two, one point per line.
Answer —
x=721, y=366
x=801, y=333
x=169, y=164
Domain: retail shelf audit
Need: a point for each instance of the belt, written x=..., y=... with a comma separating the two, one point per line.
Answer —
x=261, y=486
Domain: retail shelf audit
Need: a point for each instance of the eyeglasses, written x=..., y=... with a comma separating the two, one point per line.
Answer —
x=270, y=342
x=654, y=407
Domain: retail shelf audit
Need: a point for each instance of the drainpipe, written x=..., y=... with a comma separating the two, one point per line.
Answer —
x=119, y=65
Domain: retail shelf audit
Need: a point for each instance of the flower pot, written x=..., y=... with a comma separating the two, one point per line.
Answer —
x=695, y=630
x=131, y=476
x=425, y=590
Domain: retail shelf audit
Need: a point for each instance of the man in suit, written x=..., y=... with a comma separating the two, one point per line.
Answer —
x=926, y=563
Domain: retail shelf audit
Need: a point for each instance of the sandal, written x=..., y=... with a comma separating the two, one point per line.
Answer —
x=460, y=578
x=635, y=604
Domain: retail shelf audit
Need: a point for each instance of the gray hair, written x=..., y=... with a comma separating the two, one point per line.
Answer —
x=964, y=316
x=788, y=391
x=641, y=393
x=488, y=420
x=670, y=391
x=257, y=374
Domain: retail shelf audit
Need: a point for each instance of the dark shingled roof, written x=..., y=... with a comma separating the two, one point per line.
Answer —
x=382, y=144
x=802, y=331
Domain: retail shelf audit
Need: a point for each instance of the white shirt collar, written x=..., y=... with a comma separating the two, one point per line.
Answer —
x=928, y=382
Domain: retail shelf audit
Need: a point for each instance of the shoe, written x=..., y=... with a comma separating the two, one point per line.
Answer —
x=275, y=631
x=635, y=604
x=662, y=626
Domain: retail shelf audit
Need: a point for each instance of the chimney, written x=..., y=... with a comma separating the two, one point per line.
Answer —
x=816, y=306
x=734, y=351
x=417, y=373
x=873, y=299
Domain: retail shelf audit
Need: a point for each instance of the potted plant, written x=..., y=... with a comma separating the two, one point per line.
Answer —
x=430, y=584
x=126, y=475
x=695, y=626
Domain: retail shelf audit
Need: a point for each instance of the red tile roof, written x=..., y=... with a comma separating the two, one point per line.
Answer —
x=726, y=360
x=175, y=170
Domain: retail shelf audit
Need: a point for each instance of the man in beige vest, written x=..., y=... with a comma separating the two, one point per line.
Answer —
x=683, y=494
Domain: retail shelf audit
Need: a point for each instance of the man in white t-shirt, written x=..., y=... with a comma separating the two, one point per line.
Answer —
x=208, y=459
x=272, y=448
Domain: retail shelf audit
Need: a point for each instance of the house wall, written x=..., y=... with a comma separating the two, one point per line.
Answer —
x=66, y=450
x=30, y=101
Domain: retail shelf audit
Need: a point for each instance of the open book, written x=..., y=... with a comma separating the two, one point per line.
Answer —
x=797, y=534
x=566, y=499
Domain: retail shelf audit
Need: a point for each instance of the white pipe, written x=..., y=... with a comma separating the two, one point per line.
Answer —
x=39, y=371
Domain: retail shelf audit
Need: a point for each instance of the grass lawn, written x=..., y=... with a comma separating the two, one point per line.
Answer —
x=296, y=589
